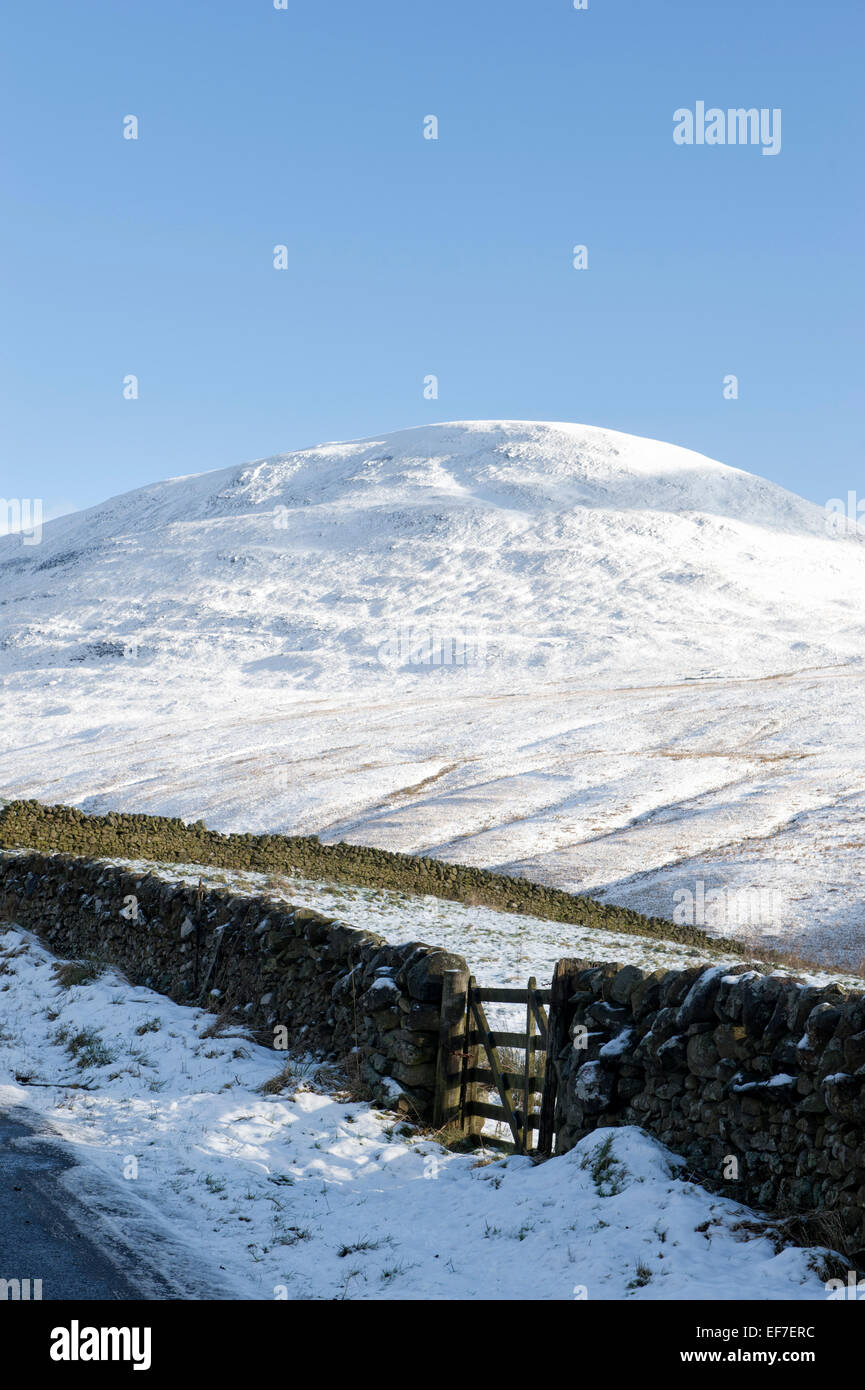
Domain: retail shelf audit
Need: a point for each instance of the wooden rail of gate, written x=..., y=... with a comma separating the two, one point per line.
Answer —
x=469, y=1060
x=517, y=1090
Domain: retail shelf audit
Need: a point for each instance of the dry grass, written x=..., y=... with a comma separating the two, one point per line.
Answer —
x=224, y=1020
x=15, y=951
x=77, y=972
x=275, y=1085
x=789, y=958
x=825, y=1228
x=352, y=1084
x=823, y=1231
x=300, y=1072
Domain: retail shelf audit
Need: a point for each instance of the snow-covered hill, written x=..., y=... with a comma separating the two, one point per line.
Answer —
x=555, y=546
x=610, y=663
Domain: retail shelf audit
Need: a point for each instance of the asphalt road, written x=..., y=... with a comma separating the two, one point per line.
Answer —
x=47, y=1233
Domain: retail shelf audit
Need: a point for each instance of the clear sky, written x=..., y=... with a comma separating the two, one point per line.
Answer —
x=406, y=256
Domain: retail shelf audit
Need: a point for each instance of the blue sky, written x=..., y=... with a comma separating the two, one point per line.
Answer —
x=408, y=256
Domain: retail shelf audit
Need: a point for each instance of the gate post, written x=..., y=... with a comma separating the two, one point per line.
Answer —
x=556, y=1040
x=529, y=1073
x=454, y=1056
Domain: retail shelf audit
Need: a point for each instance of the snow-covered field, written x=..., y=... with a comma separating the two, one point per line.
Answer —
x=502, y=948
x=305, y=1194
x=603, y=662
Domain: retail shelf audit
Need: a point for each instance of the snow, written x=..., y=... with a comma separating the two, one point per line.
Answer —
x=305, y=1194
x=662, y=683
x=781, y=1079
x=617, y=1046
x=502, y=948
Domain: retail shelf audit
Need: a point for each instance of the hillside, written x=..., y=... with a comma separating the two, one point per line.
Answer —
x=607, y=663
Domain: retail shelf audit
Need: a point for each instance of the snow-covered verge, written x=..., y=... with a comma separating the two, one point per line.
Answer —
x=305, y=1193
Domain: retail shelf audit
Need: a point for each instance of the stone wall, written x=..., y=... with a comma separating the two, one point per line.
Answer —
x=719, y=1063
x=165, y=839
x=333, y=988
x=726, y=1063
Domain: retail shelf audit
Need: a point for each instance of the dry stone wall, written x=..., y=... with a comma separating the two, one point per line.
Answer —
x=335, y=990
x=127, y=835
x=756, y=1078
x=726, y=1063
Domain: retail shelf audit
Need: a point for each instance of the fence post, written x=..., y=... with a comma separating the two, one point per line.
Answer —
x=451, y=1049
x=528, y=1096
x=470, y=1090
x=558, y=1032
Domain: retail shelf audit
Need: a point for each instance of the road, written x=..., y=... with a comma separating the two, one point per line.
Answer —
x=48, y=1233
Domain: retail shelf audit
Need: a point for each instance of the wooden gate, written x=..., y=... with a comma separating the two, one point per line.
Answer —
x=470, y=1062
x=518, y=1087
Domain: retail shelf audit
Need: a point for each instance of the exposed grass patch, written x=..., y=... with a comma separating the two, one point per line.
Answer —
x=217, y=1029
x=287, y=1078
x=86, y=1047
x=291, y=1235
x=151, y=1025
x=351, y=1084
x=607, y=1171
x=642, y=1277
x=357, y=1247
x=77, y=972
